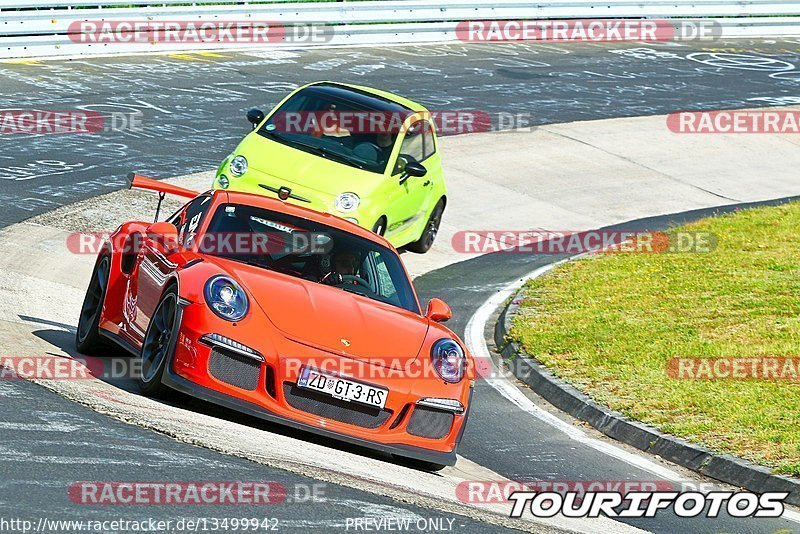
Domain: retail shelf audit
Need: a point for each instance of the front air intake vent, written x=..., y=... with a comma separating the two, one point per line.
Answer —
x=429, y=423
x=231, y=368
x=331, y=408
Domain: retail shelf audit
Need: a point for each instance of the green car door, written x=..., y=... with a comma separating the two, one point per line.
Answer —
x=411, y=195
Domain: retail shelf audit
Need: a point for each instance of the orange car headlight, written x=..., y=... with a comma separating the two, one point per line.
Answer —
x=448, y=360
x=226, y=298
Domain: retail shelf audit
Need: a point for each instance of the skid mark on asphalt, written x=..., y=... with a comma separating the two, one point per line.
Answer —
x=16, y=457
x=26, y=426
x=7, y=390
x=25, y=445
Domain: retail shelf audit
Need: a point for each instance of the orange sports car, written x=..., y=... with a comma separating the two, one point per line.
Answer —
x=283, y=313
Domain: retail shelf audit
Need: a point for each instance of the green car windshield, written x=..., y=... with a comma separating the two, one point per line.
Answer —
x=339, y=123
x=313, y=251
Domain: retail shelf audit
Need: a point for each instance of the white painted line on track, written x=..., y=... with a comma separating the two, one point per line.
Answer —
x=476, y=342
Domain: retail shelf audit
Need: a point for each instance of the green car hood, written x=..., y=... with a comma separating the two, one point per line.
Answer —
x=279, y=165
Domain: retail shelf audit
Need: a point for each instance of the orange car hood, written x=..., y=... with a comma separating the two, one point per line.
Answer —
x=334, y=320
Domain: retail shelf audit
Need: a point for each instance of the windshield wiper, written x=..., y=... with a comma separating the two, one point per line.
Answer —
x=325, y=153
x=272, y=135
x=318, y=150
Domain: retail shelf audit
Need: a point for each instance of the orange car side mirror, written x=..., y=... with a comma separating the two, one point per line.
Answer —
x=165, y=235
x=438, y=311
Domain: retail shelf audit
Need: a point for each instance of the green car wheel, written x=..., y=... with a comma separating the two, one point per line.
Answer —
x=425, y=242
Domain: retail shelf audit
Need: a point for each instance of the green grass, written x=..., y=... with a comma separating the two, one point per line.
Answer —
x=609, y=324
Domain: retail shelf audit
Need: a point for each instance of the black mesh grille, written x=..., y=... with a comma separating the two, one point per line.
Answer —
x=233, y=369
x=429, y=423
x=332, y=408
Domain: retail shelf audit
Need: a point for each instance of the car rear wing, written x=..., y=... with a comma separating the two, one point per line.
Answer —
x=163, y=189
x=142, y=182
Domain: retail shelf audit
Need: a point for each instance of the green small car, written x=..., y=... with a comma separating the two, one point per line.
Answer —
x=365, y=155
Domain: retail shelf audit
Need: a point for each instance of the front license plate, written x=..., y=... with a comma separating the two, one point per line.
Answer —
x=342, y=388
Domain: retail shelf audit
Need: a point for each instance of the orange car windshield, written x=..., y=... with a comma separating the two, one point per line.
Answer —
x=310, y=250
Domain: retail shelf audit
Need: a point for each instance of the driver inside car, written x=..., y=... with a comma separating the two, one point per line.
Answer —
x=329, y=124
x=345, y=263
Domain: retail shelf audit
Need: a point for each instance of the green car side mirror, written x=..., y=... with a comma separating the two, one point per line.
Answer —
x=408, y=166
x=255, y=116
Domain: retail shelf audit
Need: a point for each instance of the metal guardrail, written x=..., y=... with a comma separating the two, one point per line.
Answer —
x=68, y=4
x=47, y=27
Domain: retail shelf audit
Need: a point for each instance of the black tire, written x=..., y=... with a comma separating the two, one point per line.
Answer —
x=428, y=237
x=380, y=226
x=88, y=339
x=159, y=343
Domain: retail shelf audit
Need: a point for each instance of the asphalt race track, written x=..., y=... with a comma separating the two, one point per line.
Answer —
x=192, y=105
x=192, y=111
x=45, y=438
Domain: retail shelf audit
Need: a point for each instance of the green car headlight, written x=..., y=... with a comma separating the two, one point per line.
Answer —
x=347, y=202
x=238, y=166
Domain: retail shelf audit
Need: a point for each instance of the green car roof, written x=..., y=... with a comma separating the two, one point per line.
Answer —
x=410, y=104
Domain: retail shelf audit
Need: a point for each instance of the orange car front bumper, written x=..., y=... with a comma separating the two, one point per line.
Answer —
x=264, y=385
